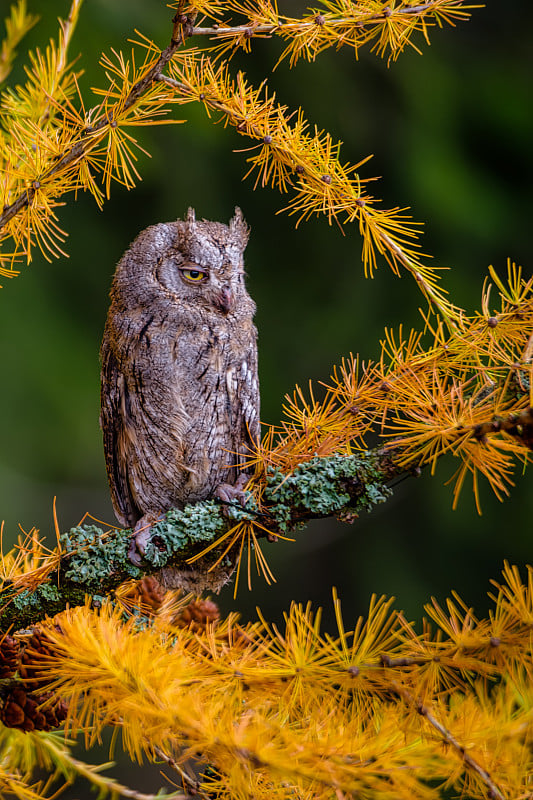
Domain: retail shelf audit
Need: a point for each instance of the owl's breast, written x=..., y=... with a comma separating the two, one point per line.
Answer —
x=202, y=361
x=212, y=370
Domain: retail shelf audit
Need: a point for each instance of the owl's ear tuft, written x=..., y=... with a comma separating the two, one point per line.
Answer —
x=191, y=215
x=238, y=228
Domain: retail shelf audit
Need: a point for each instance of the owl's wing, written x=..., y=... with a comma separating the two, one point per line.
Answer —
x=243, y=392
x=115, y=424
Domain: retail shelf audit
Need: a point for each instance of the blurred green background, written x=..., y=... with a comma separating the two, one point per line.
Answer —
x=451, y=134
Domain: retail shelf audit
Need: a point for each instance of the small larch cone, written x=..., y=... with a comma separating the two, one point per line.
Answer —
x=201, y=613
x=147, y=593
x=197, y=615
x=31, y=712
x=38, y=645
x=9, y=656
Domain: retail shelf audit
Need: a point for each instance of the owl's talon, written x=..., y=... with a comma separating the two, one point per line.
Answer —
x=233, y=494
x=141, y=534
x=133, y=553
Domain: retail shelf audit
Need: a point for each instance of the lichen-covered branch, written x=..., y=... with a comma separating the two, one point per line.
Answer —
x=194, y=542
x=91, y=561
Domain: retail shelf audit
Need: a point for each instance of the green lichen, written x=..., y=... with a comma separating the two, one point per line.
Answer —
x=520, y=383
x=28, y=606
x=180, y=530
x=36, y=599
x=96, y=557
x=336, y=486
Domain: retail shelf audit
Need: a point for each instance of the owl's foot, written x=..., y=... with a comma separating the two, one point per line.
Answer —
x=233, y=494
x=141, y=534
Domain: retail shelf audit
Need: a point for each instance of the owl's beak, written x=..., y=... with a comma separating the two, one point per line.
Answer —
x=225, y=300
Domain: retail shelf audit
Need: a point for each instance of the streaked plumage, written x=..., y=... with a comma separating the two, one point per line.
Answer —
x=180, y=396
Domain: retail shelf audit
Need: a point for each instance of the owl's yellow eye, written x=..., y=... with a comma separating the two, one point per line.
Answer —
x=194, y=275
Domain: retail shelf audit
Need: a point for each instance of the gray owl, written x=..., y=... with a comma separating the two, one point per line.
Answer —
x=180, y=395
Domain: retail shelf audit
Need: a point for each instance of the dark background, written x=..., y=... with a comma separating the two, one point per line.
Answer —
x=451, y=131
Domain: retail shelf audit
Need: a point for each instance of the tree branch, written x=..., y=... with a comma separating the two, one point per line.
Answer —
x=240, y=120
x=518, y=425
x=91, y=561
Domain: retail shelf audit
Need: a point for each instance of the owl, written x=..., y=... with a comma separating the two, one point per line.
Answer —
x=179, y=385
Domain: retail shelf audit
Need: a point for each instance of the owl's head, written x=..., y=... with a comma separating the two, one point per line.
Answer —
x=208, y=266
x=196, y=263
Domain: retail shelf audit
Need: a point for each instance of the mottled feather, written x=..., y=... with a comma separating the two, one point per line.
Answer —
x=180, y=395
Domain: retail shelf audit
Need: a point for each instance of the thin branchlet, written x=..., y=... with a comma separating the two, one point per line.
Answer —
x=77, y=152
x=283, y=23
